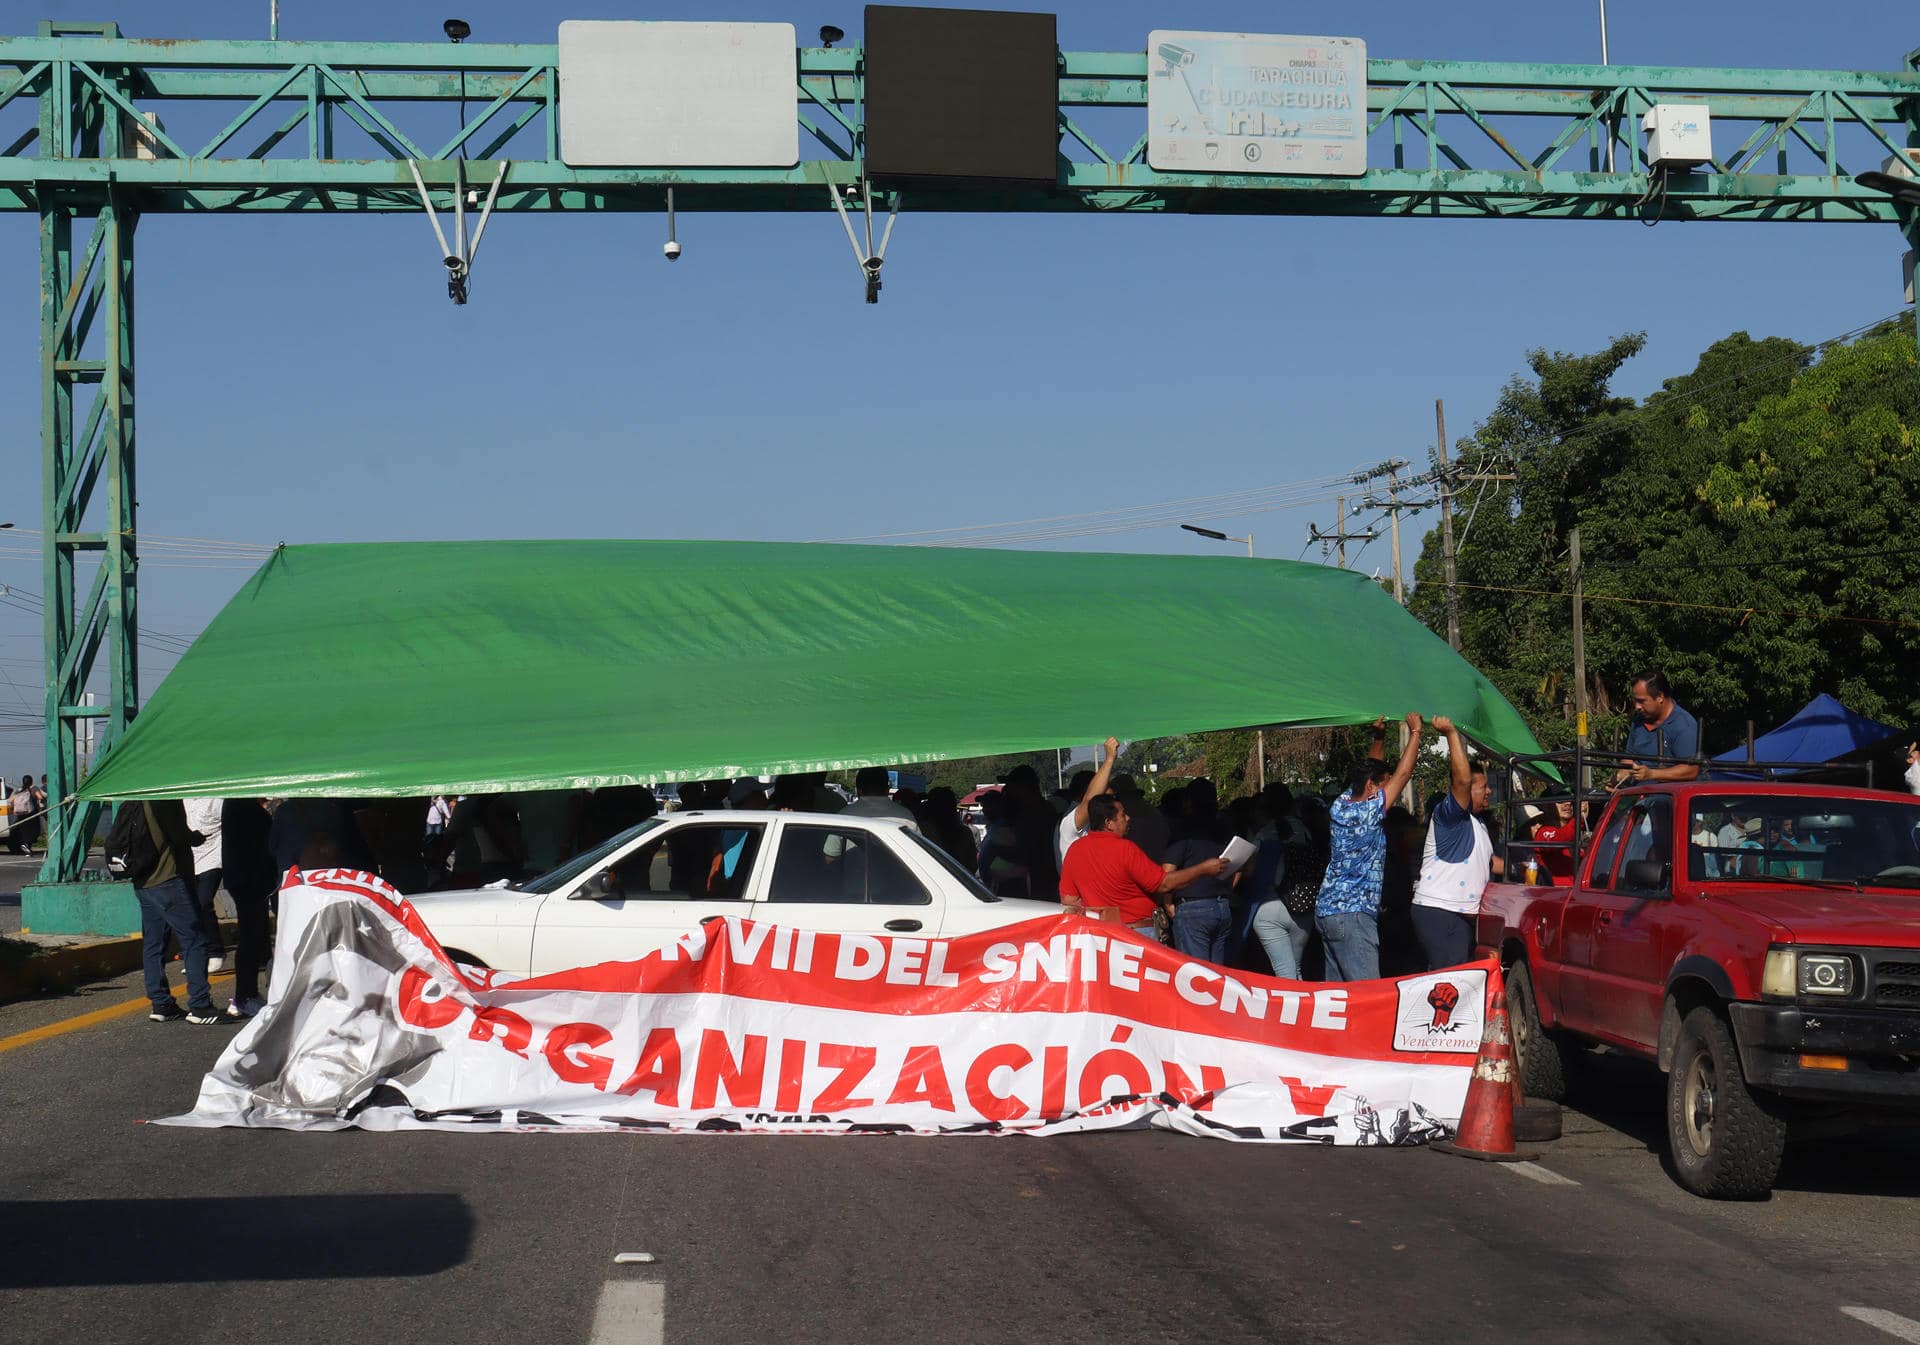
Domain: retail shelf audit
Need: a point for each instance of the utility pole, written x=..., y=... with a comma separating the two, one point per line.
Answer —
x=1339, y=536
x=1579, y=642
x=1446, y=522
x=1393, y=495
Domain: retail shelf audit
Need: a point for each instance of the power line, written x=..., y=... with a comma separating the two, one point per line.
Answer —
x=1742, y=612
x=1128, y=518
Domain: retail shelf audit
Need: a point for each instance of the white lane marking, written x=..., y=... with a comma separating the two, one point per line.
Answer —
x=1545, y=1176
x=631, y=1312
x=1901, y=1328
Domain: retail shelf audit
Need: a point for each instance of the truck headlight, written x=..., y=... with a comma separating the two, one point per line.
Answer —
x=1776, y=978
x=1825, y=974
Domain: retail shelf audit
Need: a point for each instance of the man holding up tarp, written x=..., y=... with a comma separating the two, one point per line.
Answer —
x=1348, y=911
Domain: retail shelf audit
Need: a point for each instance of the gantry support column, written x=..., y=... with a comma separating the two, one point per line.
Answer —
x=87, y=496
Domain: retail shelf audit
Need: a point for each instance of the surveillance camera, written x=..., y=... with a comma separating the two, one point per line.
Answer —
x=454, y=265
x=873, y=265
x=672, y=251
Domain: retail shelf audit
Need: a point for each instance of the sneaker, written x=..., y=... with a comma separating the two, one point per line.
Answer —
x=206, y=1016
x=216, y=964
x=245, y=1008
x=170, y=1012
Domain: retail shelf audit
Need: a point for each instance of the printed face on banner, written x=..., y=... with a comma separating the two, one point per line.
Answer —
x=1444, y=1012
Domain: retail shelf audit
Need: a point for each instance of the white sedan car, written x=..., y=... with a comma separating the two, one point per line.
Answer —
x=647, y=886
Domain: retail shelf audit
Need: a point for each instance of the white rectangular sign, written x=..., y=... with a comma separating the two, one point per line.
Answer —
x=679, y=95
x=1256, y=103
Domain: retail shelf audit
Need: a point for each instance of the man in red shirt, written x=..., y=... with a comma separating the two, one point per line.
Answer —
x=1106, y=872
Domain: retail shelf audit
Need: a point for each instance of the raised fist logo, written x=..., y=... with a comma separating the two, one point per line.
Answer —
x=1443, y=999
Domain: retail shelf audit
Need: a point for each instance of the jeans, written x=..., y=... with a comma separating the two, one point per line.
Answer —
x=1351, y=941
x=1282, y=936
x=206, y=886
x=168, y=907
x=1446, y=937
x=250, y=950
x=1200, y=928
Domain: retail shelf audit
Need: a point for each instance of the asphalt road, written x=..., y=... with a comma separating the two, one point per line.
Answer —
x=111, y=1230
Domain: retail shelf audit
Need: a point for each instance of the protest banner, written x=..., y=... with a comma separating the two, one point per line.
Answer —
x=1054, y=1025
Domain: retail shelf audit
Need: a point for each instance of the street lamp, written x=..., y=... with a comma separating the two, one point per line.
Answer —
x=1259, y=735
x=1221, y=536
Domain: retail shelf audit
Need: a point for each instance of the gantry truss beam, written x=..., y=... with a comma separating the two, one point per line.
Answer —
x=330, y=126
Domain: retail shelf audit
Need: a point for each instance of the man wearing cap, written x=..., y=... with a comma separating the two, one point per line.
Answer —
x=1111, y=878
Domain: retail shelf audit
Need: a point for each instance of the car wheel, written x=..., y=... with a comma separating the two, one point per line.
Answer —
x=1543, y=1056
x=1726, y=1142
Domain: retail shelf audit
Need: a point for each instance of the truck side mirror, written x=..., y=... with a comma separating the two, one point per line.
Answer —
x=1645, y=875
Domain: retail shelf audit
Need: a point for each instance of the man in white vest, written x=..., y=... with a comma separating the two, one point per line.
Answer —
x=1457, y=861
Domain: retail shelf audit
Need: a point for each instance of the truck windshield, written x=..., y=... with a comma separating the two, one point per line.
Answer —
x=1869, y=842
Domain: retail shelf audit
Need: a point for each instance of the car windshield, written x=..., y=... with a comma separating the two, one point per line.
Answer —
x=975, y=888
x=1865, y=842
x=587, y=862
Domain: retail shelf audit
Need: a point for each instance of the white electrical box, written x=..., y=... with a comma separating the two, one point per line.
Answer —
x=1679, y=135
x=1906, y=273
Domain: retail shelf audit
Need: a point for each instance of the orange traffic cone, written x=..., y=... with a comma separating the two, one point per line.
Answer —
x=1486, y=1122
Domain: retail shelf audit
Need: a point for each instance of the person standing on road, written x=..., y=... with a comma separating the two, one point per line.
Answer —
x=1457, y=861
x=1108, y=877
x=203, y=816
x=1913, y=768
x=1347, y=913
x=24, y=819
x=1662, y=731
x=872, y=798
x=250, y=877
x=165, y=895
x=1086, y=785
x=1203, y=910
x=1146, y=827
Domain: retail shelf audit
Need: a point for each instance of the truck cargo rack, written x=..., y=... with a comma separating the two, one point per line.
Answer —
x=1568, y=772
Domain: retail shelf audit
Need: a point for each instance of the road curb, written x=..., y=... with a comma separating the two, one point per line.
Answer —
x=59, y=970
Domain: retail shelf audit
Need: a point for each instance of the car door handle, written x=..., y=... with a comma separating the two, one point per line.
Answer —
x=1606, y=917
x=903, y=926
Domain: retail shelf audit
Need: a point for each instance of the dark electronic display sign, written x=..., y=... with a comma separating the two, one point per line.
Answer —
x=962, y=93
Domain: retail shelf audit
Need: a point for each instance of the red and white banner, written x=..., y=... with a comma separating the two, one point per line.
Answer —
x=1053, y=1025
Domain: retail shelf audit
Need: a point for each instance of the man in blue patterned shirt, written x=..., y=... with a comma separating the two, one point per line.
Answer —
x=1348, y=910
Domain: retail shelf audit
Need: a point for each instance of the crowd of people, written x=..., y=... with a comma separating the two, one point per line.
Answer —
x=1348, y=888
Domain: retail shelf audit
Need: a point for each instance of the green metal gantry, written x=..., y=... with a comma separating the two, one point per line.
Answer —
x=122, y=127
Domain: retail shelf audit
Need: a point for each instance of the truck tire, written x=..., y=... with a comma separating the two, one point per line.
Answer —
x=1542, y=1055
x=1726, y=1143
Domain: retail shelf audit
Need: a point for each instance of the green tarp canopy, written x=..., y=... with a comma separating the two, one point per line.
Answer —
x=472, y=667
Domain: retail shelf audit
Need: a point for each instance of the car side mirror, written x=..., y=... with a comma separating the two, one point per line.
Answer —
x=603, y=886
x=1645, y=875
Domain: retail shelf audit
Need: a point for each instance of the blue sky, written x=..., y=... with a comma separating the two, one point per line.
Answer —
x=305, y=379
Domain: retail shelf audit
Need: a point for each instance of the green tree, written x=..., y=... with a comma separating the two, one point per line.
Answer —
x=1710, y=520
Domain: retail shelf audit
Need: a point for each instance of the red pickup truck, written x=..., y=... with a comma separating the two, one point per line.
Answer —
x=1760, y=941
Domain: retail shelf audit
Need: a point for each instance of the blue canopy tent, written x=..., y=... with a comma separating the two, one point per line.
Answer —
x=1823, y=731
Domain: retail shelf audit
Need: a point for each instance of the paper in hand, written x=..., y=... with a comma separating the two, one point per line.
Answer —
x=1237, y=853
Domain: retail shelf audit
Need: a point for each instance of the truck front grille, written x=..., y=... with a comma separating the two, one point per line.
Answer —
x=1896, y=983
